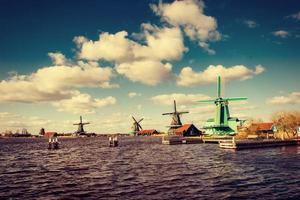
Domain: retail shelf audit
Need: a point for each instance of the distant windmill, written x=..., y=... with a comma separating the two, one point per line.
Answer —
x=136, y=127
x=176, y=122
x=80, y=129
x=222, y=123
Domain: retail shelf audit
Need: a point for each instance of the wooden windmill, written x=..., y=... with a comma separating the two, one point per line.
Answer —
x=222, y=123
x=80, y=129
x=136, y=127
x=176, y=122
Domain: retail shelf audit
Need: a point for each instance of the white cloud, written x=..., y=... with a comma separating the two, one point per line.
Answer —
x=206, y=47
x=181, y=99
x=57, y=58
x=144, y=60
x=295, y=16
x=79, y=41
x=20, y=90
x=148, y=72
x=111, y=47
x=138, y=62
x=83, y=104
x=15, y=122
x=292, y=98
x=281, y=33
x=160, y=44
x=134, y=94
x=54, y=82
x=82, y=75
x=189, y=15
x=189, y=77
x=250, y=23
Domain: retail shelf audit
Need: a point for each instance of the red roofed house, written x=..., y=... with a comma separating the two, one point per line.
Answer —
x=188, y=130
x=263, y=129
x=148, y=132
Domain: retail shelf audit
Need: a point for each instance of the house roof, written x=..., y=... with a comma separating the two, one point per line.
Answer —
x=149, y=131
x=184, y=127
x=50, y=134
x=265, y=126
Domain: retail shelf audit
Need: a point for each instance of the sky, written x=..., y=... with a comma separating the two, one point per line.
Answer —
x=110, y=60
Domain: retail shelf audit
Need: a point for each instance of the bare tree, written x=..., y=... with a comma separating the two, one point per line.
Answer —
x=287, y=122
x=251, y=126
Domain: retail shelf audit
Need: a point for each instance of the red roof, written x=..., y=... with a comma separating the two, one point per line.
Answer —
x=149, y=131
x=185, y=127
x=50, y=134
x=266, y=126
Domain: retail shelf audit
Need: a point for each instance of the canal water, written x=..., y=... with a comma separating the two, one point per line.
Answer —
x=142, y=168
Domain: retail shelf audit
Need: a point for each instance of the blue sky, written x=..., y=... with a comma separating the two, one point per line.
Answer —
x=154, y=54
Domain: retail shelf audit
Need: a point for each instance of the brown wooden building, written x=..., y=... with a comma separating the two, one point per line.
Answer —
x=188, y=130
x=148, y=132
x=263, y=129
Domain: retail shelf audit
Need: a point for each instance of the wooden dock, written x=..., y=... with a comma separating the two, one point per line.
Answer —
x=216, y=140
x=250, y=144
x=193, y=140
x=173, y=140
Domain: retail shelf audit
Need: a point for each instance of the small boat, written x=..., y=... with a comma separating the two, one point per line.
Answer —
x=113, y=141
x=53, y=143
x=53, y=140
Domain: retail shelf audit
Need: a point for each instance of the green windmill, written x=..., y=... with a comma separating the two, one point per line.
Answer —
x=222, y=123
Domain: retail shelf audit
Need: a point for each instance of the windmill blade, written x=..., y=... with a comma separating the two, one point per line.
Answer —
x=206, y=101
x=219, y=87
x=140, y=126
x=236, y=98
x=134, y=119
x=175, y=110
x=171, y=113
x=183, y=112
x=140, y=120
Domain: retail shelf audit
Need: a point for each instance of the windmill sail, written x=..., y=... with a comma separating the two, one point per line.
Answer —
x=176, y=121
x=136, y=127
x=222, y=122
x=206, y=101
x=80, y=125
x=236, y=98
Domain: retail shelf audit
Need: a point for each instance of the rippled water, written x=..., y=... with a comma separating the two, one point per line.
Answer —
x=142, y=168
